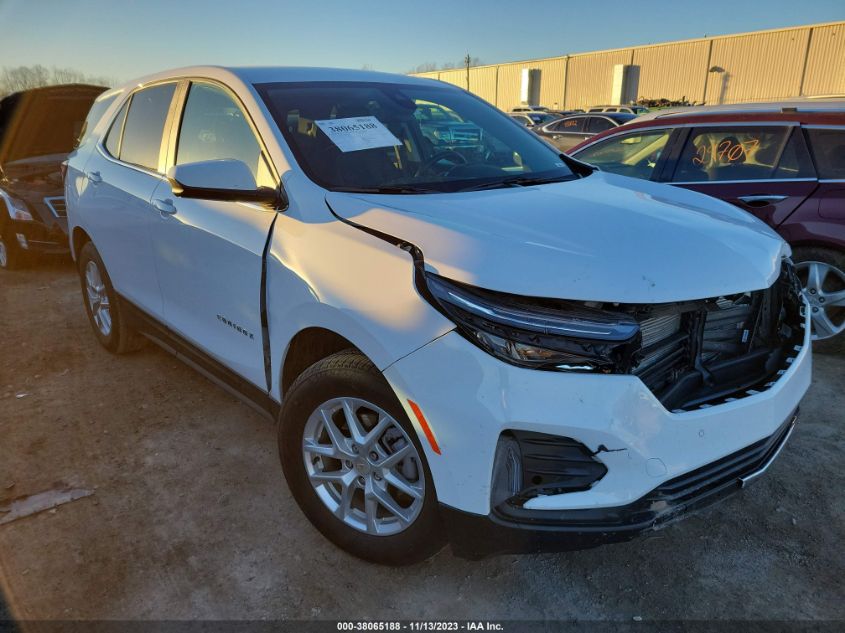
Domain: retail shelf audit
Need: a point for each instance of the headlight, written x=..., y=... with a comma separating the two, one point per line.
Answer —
x=17, y=210
x=548, y=334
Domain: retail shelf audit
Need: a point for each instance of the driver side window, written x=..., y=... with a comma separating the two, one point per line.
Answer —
x=214, y=127
x=633, y=155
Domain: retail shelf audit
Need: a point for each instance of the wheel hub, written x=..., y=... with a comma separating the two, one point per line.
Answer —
x=98, y=299
x=363, y=466
x=824, y=289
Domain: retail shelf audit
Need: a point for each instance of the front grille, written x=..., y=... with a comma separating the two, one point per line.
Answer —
x=727, y=328
x=57, y=206
x=659, y=328
x=700, y=353
x=664, y=351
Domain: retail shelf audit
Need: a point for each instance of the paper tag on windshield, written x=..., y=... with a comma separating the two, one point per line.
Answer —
x=357, y=133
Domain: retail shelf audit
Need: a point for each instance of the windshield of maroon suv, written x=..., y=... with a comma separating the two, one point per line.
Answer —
x=405, y=138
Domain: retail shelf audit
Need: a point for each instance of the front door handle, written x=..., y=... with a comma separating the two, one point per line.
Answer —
x=761, y=201
x=166, y=207
x=95, y=177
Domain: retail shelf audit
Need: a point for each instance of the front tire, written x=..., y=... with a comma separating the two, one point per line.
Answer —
x=355, y=465
x=102, y=306
x=11, y=255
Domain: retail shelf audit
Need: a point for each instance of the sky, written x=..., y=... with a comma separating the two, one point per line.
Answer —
x=124, y=39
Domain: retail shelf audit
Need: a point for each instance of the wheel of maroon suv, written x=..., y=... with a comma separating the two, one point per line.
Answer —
x=101, y=304
x=822, y=273
x=355, y=465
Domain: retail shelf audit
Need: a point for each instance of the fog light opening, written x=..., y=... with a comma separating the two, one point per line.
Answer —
x=507, y=471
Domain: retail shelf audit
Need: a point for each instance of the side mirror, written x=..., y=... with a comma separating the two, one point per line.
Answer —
x=225, y=179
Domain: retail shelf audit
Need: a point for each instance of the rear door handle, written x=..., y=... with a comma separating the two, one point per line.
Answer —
x=164, y=206
x=95, y=177
x=761, y=201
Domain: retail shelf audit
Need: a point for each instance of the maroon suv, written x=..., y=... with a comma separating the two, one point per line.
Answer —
x=786, y=165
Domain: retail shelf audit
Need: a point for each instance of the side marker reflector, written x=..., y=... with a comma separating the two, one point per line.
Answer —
x=425, y=427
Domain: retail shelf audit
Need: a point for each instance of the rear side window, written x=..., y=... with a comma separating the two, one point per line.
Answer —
x=733, y=153
x=569, y=125
x=214, y=127
x=599, y=124
x=633, y=155
x=828, y=147
x=142, y=132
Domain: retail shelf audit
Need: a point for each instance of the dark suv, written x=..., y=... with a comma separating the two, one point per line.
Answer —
x=786, y=165
x=38, y=128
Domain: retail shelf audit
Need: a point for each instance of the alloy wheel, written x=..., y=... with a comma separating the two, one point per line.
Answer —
x=363, y=466
x=4, y=254
x=824, y=288
x=98, y=299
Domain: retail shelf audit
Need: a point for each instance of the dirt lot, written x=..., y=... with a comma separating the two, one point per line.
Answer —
x=190, y=518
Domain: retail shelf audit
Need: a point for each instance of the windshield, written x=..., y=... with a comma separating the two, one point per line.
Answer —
x=396, y=138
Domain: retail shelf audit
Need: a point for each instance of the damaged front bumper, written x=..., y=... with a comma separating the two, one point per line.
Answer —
x=657, y=464
x=512, y=530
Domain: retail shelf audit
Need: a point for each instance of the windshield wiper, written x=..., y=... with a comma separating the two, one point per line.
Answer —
x=398, y=189
x=520, y=181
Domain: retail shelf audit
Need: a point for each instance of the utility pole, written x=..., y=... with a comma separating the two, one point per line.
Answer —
x=467, y=61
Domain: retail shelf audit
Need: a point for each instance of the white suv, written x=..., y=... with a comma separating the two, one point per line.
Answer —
x=475, y=339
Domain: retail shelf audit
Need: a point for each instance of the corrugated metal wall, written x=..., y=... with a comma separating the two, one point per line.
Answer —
x=673, y=71
x=826, y=61
x=775, y=64
x=507, y=91
x=588, y=81
x=757, y=67
x=483, y=82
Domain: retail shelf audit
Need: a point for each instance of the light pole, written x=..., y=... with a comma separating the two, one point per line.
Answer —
x=467, y=61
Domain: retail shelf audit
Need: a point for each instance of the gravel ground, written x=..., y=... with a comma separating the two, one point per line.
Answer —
x=190, y=518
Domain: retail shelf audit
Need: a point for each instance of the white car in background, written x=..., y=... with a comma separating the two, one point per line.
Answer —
x=490, y=344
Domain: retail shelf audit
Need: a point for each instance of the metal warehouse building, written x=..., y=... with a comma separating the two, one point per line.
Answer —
x=762, y=65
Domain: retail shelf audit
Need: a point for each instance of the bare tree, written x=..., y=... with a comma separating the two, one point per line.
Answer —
x=20, y=78
x=432, y=66
x=427, y=67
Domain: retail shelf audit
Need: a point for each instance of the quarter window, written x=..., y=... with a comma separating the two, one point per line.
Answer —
x=734, y=153
x=828, y=147
x=633, y=155
x=599, y=124
x=214, y=127
x=795, y=160
x=142, y=132
x=98, y=108
x=116, y=129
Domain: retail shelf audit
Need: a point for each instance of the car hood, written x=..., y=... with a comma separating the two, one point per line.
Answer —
x=602, y=238
x=43, y=121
